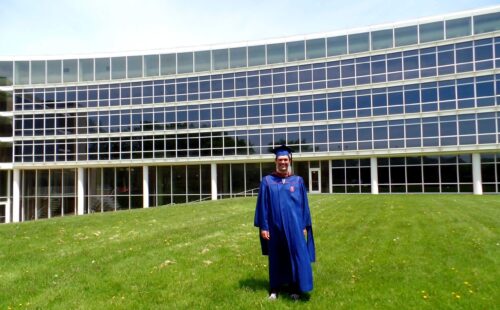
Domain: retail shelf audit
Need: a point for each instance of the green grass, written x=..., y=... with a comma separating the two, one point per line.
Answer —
x=373, y=251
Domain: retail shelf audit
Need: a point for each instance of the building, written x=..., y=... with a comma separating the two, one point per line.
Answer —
x=405, y=107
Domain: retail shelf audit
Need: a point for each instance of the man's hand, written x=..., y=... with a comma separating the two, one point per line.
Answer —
x=305, y=232
x=265, y=234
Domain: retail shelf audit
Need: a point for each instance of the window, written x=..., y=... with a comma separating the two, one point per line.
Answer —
x=431, y=32
x=406, y=35
x=134, y=66
x=6, y=75
x=118, y=68
x=336, y=45
x=151, y=65
x=381, y=39
x=22, y=72
x=295, y=51
x=256, y=55
x=86, y=71
x=359, y=43
x=220, y=59
x=238, y=57
x=458, y=27
x=486, y=23
x=168, y=64
x=275, y=53
x=102, y=69
x=38, y=72
x=315, y=48
x=185, y=62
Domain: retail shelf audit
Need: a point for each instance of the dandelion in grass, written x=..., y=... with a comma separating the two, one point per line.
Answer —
x=425, y=295
x=455, y=295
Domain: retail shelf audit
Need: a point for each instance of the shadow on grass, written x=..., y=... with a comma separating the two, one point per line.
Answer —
x=254, y=284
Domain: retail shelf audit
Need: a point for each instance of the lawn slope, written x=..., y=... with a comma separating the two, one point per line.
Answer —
x=373, y=251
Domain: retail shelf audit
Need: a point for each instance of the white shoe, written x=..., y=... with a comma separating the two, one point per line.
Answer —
x=273, y=296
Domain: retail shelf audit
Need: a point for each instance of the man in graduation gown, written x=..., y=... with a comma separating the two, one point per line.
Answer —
x=284, y=219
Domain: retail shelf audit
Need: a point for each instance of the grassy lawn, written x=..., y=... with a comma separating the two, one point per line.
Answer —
x=383, y=251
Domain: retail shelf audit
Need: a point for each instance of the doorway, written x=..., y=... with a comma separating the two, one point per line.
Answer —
x=314, y=180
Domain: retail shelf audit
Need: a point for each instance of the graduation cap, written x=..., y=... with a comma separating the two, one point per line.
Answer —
x=282, y=150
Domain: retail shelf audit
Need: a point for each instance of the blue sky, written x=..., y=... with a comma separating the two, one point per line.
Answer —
x=75, y=27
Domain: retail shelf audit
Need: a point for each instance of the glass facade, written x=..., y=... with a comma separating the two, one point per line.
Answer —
x=411, y=108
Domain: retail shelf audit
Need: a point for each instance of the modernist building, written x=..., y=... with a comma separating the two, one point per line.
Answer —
x=406, y=107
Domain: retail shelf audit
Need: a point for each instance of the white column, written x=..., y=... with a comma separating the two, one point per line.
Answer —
x=8, y=205
x=16, y=195
x=80, y=194
x=145, y=187
x=330, y=177
x=374, y=174
x=476, y=174
x=214, y=181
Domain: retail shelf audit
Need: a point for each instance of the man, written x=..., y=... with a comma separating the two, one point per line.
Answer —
x=283, y=217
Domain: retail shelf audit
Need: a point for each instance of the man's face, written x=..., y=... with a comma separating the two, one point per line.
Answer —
x=282, y=163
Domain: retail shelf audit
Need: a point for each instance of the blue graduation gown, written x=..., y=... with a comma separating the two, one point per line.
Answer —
x=283, y=210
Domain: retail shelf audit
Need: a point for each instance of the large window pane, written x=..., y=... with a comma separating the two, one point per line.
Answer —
x=336, y=45
x=431, y=32
x=238, y=57
x=256, y=55
x=38, y=72
x=220, y=59
x=359, y=43
x=151, y=65
x=202, y=61
x=252, y=177
x=486, y=23
x=406, y=35
x=6, y=105
x=118, y=68
x=54, y=69
x=86, y=71
x=295, y=51
x=381, y=39
x=315, y=48
x=275, y=53
x=185, y=62
x=134, y=66
x=458, y=27
x=102, y=68
x=6, y=75
x=237, y=178
x=168, y=64
x=22, y=72
x=179, y=183
x=193, y=180
x=70, y=70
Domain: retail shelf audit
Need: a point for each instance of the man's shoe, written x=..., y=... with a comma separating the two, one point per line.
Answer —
x=295, y=296
x=273, y=296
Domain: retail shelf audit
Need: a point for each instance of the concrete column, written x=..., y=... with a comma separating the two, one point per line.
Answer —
x=16, y=195
x=374, y=174
x=214, y=181
x=476, y=174
x=145, y=187
x=330, y=177
x=80, y=194
x=8, y=205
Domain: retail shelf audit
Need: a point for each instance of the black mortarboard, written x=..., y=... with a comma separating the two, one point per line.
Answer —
x=282, y=150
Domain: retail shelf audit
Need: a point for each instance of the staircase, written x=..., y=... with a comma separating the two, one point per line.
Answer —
x=103, y=204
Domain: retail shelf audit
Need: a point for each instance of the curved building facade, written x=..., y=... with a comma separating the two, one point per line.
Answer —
x=411, y=107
